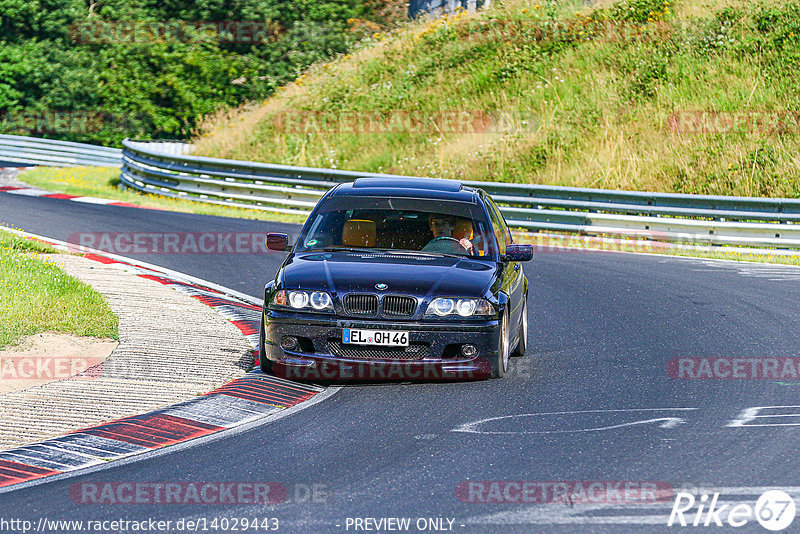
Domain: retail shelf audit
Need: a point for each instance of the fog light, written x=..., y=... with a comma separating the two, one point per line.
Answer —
x=288, y=342
x=469, y=350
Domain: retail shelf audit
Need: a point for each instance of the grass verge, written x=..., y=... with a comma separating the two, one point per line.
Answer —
x=37, y=296
x=104, y=182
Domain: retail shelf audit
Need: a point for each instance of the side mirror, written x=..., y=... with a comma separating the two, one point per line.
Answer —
x=519, y=253
x=278, y=242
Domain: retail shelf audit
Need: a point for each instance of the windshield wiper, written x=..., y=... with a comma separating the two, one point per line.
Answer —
x=426, y=253
x=347, y=249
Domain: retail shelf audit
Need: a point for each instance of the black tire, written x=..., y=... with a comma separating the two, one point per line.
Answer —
x=522, y=344
x=500, y=360
x=264, y=362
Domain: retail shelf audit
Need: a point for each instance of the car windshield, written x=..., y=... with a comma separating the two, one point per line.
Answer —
x=408, y=225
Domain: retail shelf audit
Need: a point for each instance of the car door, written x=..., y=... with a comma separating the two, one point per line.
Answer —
x=512, y=278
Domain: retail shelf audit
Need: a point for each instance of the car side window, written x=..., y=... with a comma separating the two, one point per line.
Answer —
x=498, y=225
x=504, y=227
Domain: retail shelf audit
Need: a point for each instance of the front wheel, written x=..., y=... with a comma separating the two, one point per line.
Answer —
x=264, y=362
x=500, y=360
x=522, y=345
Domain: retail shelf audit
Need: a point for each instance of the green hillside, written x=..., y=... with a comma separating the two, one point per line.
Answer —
x=695, y=97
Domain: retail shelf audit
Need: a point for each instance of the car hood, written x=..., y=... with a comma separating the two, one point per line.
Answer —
x=412, y=274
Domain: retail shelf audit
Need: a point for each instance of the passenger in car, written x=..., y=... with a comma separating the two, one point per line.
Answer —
x=465, y=230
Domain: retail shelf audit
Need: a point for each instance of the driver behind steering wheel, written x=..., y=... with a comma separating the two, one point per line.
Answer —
x=443, y=241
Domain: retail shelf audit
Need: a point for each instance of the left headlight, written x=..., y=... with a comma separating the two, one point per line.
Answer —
x=318, y=301
x=444, y=306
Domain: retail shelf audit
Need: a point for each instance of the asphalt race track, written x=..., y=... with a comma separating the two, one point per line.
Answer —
x=591, y=401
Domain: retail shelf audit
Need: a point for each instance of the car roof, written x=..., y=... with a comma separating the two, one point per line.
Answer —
x=408, y=187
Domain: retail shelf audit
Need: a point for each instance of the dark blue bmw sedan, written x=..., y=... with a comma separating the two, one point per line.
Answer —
x=397, y=279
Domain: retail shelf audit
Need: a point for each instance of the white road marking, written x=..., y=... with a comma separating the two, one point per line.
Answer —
x=29, y=192
x=666, y=422
x=93, y=200
x=772, y=272
x=751, y=414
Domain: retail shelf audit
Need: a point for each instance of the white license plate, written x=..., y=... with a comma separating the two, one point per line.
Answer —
x=384, y=338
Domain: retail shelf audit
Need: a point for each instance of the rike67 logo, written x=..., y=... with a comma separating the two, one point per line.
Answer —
x=774, y=510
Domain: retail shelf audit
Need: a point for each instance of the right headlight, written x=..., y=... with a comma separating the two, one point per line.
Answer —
x=444, y=306
x=319, y=301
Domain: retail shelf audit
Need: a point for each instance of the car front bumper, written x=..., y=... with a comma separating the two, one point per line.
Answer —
x=320, y=355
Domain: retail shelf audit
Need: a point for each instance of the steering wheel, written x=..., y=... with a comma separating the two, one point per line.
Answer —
x=442, y=238
x=447, y=238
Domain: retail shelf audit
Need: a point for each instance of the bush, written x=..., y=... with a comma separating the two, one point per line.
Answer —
x=53, y=85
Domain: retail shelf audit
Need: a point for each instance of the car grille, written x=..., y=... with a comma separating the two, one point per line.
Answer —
x=397, y=306
x=361, y=304
x=415, y=351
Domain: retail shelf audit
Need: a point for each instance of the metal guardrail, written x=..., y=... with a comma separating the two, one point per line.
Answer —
x=437, y=8
x=164, y=169
x=35, y=151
